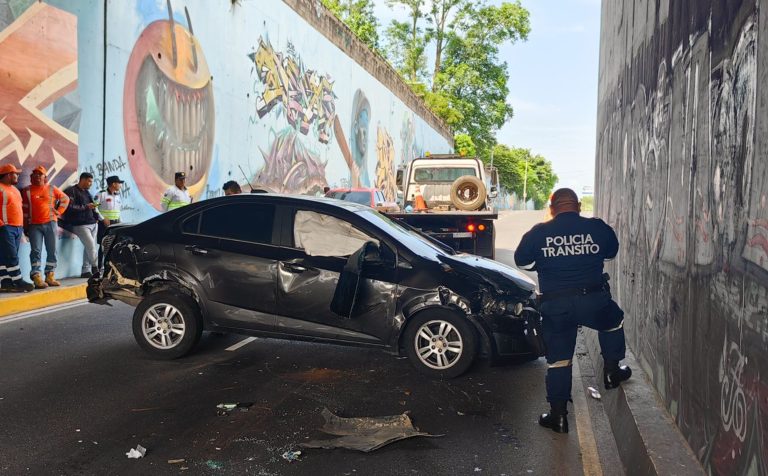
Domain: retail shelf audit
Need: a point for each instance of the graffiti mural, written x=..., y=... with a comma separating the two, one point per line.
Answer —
x=39, y=109
x=290, y=167
x=168, y=108
x=358, y=141
x=306, y=97
x=385, y=165
x=681, y=175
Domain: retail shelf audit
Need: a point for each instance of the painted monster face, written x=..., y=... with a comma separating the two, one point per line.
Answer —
x=168, y=110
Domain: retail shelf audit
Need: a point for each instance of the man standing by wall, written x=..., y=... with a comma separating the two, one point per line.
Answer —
x=43, y=205
x=11, y=229
x=231, y=188
x=568, y=253
x=110, y=204
x=177, y=196
x=81, y=218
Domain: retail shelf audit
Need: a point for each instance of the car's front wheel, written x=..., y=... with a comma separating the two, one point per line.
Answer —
x=167, y=325
x=440, y=343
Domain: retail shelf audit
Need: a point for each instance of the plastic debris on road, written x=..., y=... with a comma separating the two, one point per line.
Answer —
x=176, y=461
x=594, y=393
x=365, y=434
x=223, y=409
x=137, y=452
x=291, y=456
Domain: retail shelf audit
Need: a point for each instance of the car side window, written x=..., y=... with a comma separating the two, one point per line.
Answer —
x=191, y=225
x=324, y=235
x=250, y=222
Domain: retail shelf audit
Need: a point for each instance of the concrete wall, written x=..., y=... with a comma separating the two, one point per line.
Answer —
x=281, y=90
x=682, y=175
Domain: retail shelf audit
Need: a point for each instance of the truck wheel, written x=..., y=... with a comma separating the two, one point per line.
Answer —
x=468, y=193
x=167, y=325
x=440, y=344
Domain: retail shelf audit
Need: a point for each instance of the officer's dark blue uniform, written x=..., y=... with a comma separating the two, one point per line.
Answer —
x=568, y=253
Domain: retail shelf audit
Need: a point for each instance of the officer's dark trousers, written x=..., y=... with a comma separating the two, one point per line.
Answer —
x=560, y=316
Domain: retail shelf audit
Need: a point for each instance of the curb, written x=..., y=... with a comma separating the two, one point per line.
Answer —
x=39, y=299
x=647, y=438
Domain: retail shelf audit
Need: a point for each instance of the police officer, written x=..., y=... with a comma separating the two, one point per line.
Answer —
x=568, y=253
x=177, y=196
x=110, y=204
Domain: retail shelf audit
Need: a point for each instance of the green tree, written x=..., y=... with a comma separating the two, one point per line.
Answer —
x=358, y=16
x=440, y=15
x=407, y=41
x=537, y=181
x=463, y=145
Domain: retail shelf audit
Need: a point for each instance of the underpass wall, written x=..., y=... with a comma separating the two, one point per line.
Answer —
x=683, y=177
x=276, y=93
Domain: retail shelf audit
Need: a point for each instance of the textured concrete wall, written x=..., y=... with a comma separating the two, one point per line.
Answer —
x=682, y=173
x=278, y=93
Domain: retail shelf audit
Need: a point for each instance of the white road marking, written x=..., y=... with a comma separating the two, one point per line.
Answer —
x=39, y=312
x=590, y=460
x=241, y=343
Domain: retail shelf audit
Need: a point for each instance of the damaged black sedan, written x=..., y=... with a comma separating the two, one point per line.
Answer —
x=313, y=269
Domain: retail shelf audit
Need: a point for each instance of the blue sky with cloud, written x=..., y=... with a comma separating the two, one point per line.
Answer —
x=553, y=85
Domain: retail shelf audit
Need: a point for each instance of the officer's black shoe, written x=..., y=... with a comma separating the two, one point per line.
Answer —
x=555, y=422
x=613, y=378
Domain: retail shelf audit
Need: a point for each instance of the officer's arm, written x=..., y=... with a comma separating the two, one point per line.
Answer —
x=63, y=200
x=524, y=254
x=611, y=243
x=165, y=201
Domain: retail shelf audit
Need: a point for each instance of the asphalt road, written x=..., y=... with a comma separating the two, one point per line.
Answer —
x=76, y=393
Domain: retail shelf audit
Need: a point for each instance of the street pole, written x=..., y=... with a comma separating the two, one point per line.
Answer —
x=525, y=185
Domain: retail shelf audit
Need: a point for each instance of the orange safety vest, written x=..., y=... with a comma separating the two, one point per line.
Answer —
x=39, y=203
x=10, y=206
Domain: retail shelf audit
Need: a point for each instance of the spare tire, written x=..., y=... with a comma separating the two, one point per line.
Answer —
x=468, y=193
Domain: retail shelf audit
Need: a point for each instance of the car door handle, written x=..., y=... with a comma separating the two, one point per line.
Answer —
x=294, y=267
x=196, y=250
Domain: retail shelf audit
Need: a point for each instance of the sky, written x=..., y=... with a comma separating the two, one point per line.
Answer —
x=553, y=86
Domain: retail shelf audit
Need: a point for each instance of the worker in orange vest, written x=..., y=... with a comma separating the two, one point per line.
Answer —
x=11, y=229
x=43, y=204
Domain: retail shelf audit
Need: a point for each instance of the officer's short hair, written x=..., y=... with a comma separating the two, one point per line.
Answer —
x=86, y=175
x=232, y=185
x=563, y=196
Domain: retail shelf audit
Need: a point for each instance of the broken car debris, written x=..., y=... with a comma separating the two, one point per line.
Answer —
x=365, y=434
x=137, y=452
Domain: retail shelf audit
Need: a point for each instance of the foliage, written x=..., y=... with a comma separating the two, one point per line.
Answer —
x=358, y=16
x=511, y=164
x=407, y=41
x=464, y=146
x=588, y=203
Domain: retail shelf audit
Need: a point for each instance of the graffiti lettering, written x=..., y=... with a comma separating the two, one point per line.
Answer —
x=112, y=166
x=307, y=97
x=733, y=402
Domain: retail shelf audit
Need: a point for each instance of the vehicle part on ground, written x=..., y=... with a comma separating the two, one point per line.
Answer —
x=468, y=193
x=167, y=325
x=365, y=434
x=440, y=344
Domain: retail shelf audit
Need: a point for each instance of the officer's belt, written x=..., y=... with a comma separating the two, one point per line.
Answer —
x=573, y=292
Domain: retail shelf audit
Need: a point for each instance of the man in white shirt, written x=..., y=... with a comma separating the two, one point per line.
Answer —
x=177, y=196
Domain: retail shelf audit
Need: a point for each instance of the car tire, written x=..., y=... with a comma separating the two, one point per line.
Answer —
x=167, y=325
x=441, y=359
x=468, y=193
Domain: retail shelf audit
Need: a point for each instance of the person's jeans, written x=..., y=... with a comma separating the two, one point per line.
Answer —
x=45, y=233
x=102, y=232
x=87, y=235
x=10, y=239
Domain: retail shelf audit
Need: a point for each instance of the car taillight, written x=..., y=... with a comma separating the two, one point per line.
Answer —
x=481, y=227
x=471, y=227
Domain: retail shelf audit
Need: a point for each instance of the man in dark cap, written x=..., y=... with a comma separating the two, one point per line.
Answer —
x=568, y=253
x=177, y=196
x=110, y=204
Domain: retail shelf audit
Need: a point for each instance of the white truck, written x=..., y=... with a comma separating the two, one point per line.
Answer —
x=450, y=198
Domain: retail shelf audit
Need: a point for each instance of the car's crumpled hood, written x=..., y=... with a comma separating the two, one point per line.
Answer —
x=498, y=275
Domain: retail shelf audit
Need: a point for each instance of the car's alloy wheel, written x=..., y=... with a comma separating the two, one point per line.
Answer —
x=438, y=344
x=167, y=324
x=163, y=326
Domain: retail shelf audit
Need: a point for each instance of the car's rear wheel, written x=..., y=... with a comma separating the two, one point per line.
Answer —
x=167, y=325
x=440, y=343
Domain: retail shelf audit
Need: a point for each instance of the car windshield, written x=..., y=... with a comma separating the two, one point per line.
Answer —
x=363, y=198
x=413, y=239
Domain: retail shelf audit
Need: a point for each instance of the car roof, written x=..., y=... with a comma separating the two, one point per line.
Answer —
x=287, y=199
x=357, y=189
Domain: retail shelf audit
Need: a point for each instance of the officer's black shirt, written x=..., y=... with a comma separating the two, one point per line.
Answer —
x=568, y=251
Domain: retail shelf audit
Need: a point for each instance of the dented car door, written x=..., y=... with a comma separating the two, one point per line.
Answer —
x=308, y=274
